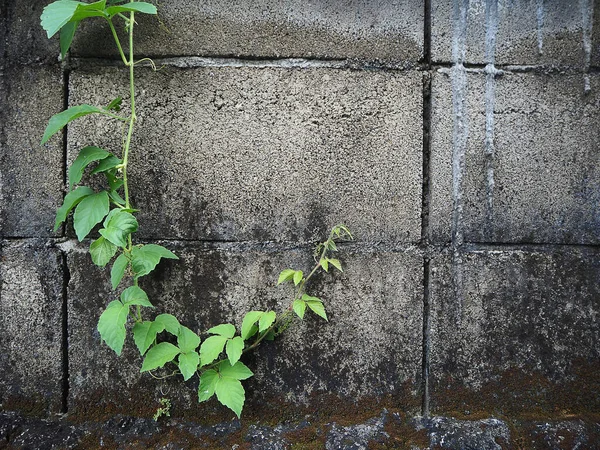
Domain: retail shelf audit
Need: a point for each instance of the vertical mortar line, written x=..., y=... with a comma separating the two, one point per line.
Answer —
x=426, y=338
x=587, y=21
x=427, y=33
x=539, y=13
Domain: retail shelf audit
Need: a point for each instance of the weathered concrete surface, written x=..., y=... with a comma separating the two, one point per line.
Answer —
x=547, y=32
x=31, y=276
x=541, y=145
x=520, y=337
x=370, y=348
x=364, y=30
x=31, y=177
x=226, y=153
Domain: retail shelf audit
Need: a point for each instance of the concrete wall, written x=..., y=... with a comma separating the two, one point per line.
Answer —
x=457, y=139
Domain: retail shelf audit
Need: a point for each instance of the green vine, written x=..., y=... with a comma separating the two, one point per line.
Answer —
x=216, y=359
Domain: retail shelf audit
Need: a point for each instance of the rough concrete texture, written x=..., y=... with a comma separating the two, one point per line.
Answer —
x=30, y=327
x=530, y=157
x=364, y=30
x=517, y=335
x=524, y=32
x=31, y=176
x=227, y=153
x=369, y=348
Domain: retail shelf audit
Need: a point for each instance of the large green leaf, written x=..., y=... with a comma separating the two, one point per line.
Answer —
x=141, y=7
x=248, y=323
x=72, y=199
x=90, y=212
x=144, y=334
x=134, y=295
x=102, y=251
x=225, y=329
x=208, y=383
x=57, y=14
x=118, y=270
x=286, y=275
x=188, y=364
x=159, y=355
x=237, y=371
x=234, y=349
x=58, y=121
x=211, y=348
x=187, y=340
x=118, y=226
x=266, y=320
x=299, y=307
x=112, y=325
x=144, y=259
x=86, y=156
x=230, y=393
x=170, y=322
x=318, y=308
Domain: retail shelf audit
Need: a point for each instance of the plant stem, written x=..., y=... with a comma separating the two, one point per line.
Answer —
x=118, y=42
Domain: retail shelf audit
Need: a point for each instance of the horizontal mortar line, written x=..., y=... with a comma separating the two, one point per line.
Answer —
x=470, y=246
x=550, y=69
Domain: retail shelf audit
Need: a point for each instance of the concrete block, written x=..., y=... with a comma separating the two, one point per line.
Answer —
x=546, y=32
x=31, y=176
x=518, y=335
x=530, y=158
x=249, y=153
x=31, y=276
x=370, y=348
x=363, y=30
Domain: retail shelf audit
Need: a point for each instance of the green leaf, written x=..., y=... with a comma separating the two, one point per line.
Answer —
x=170, y=322
x=114, y=104
x=90, y=212
x=285, y=275
x=266, y=320
x=159, y=355
x=57, y=14
x=102, y=251
x=112, y=325
x=144, y=259
x=118, y=226
x=325, y=264
x=225, y=329
x=299, y=307
x=134, y=295
x=211, y=348
x=336, y=263
x=86, y=156
x=187, y=340
x=237, y=371
x=331, y=245
x=115, y=197
x=297, y=277
x=230, y=393
x=58, y=121
x=234, y=349
x=66, y=37
x=317, y=308
x=188, y=364
x=141, y=7
x=110, y=162
x=144, y=334
x=118, y=270
x=208, y=383
x=309, y=298
x=248, y=323
x=72, y=199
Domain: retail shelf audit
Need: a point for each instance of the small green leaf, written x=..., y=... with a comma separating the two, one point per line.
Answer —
x=144, y=334
x=90, y=212
x=325, y=264
x=118, y=226
x=108, y=163
x=285, y=275
x=266, y=320
x=247, y=324
x=336, y=263
x=225, y=329
x=141, y=7
x=187, y=340
x=86, y=156
x=317, y=308
x=66, y=37
x=234, y=349
x=308, y=298
x=230, y=393
x=297, y=277
x=114, y=104
x=159, y=355
x=102, y=251
x=118, y=270
x=134, y=295
x=144, y=259
x=112, y=325
x=237, y=371
x=170, y=323
x=58, y=121
x=208, y=383
x=299, y=307
x=331, y=245
x=211, y=348
x=72, y=199
x=115, y=197
x=188, y=364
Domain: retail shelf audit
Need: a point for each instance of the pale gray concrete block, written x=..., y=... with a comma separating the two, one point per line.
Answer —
x=31, y=276
x=518, y=334
x=547, y=32
x=541, y=145
x=232, y=153
x=360, y=29
x=31, y=176
x=371, y=346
